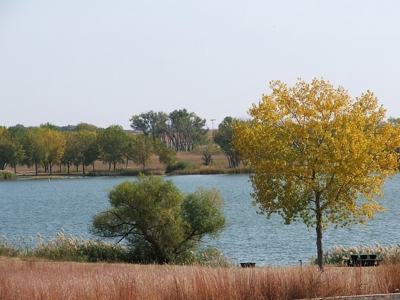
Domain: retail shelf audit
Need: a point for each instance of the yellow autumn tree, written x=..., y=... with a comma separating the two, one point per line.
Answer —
x=54, y=142
x=319, y=156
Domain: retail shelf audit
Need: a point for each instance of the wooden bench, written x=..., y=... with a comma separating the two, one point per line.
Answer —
x=363, y=260
x=248, y=265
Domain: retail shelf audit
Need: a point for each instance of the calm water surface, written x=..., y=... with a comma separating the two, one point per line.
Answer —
x=32, y=206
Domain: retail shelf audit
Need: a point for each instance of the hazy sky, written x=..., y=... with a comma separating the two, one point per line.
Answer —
x=101, y=62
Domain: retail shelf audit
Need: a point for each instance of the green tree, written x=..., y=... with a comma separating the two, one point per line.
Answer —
x=129, y=152
x=112, y=143
x=85, y=126
x=11, y=151
x=142, y=150
x=54, y=147
x=18, y=134
x=34, y=147
x=150, y=123
x=49, y=126
x=89, y=147
x=72, y=149
x=160, y=223
x=223, y=137
x=318, y=155
x=166, y=155
x=185, y=129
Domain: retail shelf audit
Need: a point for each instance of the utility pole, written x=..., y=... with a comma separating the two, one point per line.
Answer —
x=212, y=123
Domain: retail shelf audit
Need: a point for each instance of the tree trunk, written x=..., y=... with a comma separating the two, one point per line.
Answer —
x=320, y=250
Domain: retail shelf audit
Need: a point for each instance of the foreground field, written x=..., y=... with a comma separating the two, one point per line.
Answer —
x=55, y=280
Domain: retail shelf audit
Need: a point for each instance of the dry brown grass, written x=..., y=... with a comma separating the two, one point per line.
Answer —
x=49, y=280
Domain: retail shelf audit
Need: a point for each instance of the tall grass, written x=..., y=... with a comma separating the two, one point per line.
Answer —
x=70, y=248
x=46, y=280
x=33, y=278
x=65, y=248
x=7, y=175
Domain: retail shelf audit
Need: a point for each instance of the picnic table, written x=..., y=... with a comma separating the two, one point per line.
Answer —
x=363, y=260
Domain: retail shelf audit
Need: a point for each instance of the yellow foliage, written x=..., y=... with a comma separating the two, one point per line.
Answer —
x=315, y=151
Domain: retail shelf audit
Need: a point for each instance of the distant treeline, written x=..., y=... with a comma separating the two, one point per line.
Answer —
x=153, y=133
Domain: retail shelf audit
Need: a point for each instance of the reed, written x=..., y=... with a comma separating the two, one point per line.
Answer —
x=34, y=279
x=69, y=248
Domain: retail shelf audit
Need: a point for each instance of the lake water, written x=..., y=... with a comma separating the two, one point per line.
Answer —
x=32, y=206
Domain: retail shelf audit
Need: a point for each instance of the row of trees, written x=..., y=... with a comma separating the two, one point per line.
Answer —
x=81, y=145
x=47, y=146
x=180, y=129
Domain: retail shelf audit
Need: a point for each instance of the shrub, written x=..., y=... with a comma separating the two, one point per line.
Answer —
x=157, y=220
x=8, y=250
x=7, y=175
x=178, y=166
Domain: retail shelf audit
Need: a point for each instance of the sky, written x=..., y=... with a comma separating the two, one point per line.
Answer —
x=101, y=62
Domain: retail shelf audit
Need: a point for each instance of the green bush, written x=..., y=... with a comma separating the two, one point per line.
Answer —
x=178, y=166
x=7, y=175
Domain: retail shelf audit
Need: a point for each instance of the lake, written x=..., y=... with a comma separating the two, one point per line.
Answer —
x=32, y=206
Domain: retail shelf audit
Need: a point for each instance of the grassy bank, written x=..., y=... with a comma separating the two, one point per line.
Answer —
x=192, y=164
x=48, y=280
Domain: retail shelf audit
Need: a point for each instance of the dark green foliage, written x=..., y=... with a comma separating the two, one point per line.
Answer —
x=177, y=166
x=112, y=143
x=151, y=123
x=223, y=138
x=166, y=155
x=159, y=223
